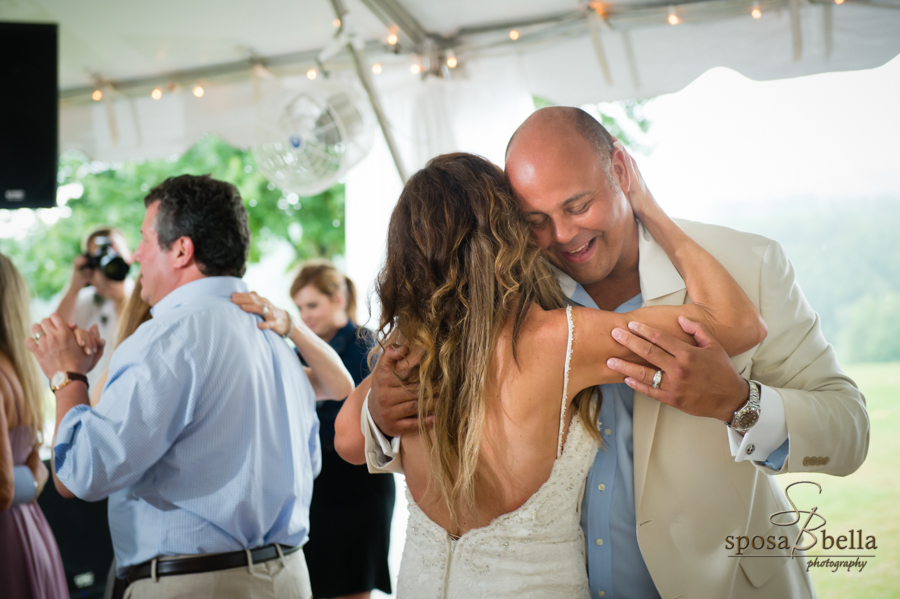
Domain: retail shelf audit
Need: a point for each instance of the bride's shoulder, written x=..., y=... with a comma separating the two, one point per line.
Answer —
x=543, y=335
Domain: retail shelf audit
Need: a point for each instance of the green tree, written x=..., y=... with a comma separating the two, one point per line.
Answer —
x=629, y=127
x=114, y=193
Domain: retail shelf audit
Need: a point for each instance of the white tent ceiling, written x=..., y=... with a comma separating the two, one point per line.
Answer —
x=568, y=51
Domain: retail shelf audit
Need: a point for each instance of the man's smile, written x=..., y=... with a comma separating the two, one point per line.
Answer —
x=581, y=253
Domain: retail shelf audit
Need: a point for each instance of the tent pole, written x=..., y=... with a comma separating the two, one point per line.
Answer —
x=357, y=56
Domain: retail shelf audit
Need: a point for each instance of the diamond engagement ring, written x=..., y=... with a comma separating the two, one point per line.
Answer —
x=657, y=379
x=265, y=310
x=37, y=336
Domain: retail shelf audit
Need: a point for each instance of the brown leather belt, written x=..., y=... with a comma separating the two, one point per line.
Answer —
x=205, y=563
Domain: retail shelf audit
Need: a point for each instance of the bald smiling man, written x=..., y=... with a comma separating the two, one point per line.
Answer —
x=692, y=445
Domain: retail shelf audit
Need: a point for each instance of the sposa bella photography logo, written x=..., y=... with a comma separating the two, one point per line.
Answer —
x=810, y=532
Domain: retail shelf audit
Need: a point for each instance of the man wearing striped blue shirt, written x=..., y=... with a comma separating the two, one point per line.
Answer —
x=205, y=439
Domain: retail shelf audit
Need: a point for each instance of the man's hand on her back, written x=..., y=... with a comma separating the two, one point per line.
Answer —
x=393, y=399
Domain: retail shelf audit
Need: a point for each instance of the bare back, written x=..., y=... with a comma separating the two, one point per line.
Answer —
x=522, y=426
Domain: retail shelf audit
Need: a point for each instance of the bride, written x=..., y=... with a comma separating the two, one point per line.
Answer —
x=506, y=376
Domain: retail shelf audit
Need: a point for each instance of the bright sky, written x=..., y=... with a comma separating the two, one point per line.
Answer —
x=726, y=138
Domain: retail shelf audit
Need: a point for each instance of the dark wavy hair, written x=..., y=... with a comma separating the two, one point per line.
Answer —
x=461, y=262
x=212, y=214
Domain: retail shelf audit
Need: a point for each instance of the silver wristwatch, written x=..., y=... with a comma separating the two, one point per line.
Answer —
x=748, y=414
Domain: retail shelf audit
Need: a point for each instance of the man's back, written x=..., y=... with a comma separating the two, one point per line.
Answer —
x=206, y=433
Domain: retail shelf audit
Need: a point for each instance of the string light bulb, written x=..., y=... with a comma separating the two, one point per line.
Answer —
x=156, y=94
x=838, y=1
x=392, y=39
x=336, y=23
x=197, y=91
x=312, y=74
x=415, y=69
x=514, y=35
x=452, y=62
x=376, y=68
x=673, y=18
x=756, y=13
x=97, y=95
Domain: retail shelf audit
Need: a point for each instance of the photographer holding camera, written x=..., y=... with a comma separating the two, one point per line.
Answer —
x=98, y=288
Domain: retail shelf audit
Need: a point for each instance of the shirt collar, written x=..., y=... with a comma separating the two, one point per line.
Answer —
x=207, y=286
x=659, y=277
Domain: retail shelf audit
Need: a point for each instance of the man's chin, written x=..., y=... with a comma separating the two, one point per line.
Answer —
x=583, y=274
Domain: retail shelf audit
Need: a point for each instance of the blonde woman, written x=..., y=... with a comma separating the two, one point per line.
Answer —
x=31, y=566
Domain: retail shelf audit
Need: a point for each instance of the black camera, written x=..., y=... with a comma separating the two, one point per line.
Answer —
x=107, y=260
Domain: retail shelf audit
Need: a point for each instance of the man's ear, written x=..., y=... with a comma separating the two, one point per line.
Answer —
x=182, y=252
x=619, y=169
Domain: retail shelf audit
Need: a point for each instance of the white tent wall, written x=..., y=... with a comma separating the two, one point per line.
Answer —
x=476, y=113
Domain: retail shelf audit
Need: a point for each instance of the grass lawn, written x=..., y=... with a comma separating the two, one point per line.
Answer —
x=865, y=500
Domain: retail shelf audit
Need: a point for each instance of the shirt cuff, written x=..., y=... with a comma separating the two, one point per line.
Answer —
x=25, y=485
x=382, y=455
x=768, y=434
x=64, y=437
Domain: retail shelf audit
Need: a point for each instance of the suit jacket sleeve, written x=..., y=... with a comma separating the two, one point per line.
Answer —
x=825, y=413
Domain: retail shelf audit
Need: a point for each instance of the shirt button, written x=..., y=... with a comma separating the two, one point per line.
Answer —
x=601, y=486
x=599, y=541
x=601, y=593
x=608, y=432
x=751, y=448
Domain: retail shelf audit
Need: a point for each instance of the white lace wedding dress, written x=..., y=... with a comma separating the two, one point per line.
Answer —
x=536, y=551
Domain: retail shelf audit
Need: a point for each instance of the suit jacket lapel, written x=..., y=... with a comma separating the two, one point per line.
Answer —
x=661, y=285
x=646, y=412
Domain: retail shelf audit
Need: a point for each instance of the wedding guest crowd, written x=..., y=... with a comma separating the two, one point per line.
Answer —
x=198, y=370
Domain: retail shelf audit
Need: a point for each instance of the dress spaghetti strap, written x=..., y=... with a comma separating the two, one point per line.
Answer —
x=562, y=410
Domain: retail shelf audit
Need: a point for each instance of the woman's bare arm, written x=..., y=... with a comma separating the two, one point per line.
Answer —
x=7, y=482
x=348, y=438
x=718, y=302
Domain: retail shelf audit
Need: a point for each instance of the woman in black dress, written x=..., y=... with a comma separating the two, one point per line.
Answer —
x=351, y=510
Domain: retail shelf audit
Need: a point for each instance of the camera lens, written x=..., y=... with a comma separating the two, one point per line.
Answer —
x=108, y=260
x=114, y=267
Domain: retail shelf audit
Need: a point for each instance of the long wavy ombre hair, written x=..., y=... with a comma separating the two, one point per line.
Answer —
x=15, y=320
x=461, y=261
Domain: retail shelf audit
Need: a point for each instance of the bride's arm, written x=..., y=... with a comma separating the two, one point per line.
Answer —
x=718, y=302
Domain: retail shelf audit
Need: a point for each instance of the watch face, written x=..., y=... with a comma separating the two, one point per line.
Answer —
x=58, y=379
x=747, y=419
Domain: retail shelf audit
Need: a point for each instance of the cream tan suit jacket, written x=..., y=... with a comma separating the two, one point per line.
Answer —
x=690, y=492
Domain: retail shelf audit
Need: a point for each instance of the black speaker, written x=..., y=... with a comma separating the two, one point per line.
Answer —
x=29, y=115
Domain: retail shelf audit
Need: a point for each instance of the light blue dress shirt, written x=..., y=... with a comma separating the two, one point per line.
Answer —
x=205, y=438
x=616, y=568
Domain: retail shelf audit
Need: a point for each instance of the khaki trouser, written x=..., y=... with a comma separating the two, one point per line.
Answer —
x=268, y=580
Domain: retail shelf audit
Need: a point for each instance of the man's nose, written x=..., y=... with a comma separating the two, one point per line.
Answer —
x=563, y=231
